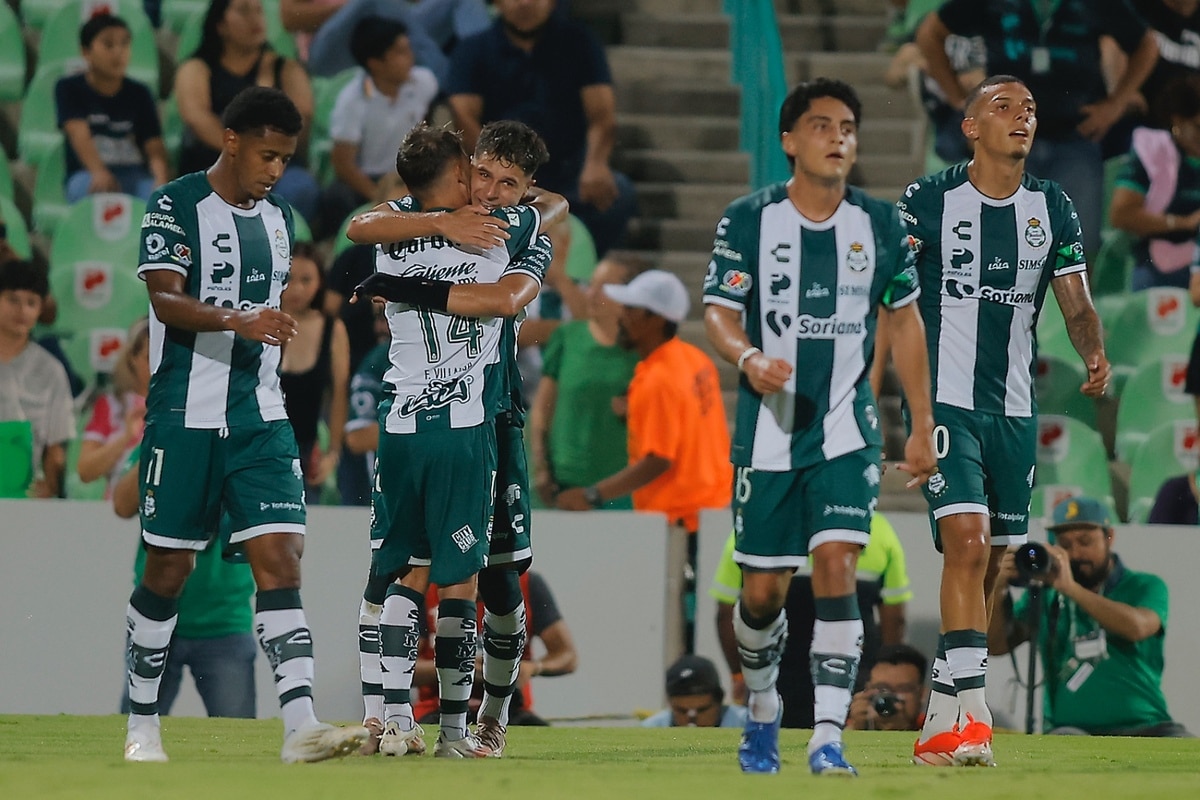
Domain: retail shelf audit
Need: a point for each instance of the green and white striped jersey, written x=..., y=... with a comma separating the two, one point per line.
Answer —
x=448, y=371
x=231, y=257
x=809, y=293
x=985, y=266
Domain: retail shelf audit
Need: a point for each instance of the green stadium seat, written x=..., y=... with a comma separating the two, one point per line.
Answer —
x=325, y=92
x=177, y=13
x=280, y=40
x=16, y=454
x=1052, y=335
x=1112, y=268
x=1171, y=449
x=92, y=352
x=18, y=233
x=1112, y=168
x=37, y=132
x=49, y=195
x=303, y=232
x=1152, y=395
x=93, y=271
x=12, y=56
x=581, y=256
x=6, y=181
x=1153, y=323
x=60, y=39
x=1056, y=385
x=36, y=13
x=1071, y=454
x=172, y=125
x=340, y=242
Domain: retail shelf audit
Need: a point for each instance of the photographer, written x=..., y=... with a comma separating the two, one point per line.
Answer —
x=895, y=693
x=1102, y=628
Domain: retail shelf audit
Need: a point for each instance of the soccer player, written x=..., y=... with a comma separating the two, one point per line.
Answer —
x=215, y=254
x=990, y=240
x=798, y=273
x=508, y=278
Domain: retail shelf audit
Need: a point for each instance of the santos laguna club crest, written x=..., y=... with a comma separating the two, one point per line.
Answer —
x=1035, y=234
x=856, y=257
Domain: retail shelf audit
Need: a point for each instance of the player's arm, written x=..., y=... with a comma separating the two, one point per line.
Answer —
x=912, y=367
x=504, y=298
x=174, y=307
x=470, y=225
x=1084, y=329
x=552, y=207
x=724, y=328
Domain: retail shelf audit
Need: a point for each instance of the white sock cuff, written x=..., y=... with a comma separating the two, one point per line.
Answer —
x=967, y=662
x=506, y=624
x=841, y=637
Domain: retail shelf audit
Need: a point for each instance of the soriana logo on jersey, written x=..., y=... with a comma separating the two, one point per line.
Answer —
x=1166, y=309
x=93, y=284
x=1054, y=439
x=1174, y=375
x=104, y=344
x=1187, y=443
x=112, y=216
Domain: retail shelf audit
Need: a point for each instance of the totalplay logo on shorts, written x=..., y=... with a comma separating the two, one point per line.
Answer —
x=286, y=505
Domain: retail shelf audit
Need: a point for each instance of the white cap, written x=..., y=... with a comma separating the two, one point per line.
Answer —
x=655, y=290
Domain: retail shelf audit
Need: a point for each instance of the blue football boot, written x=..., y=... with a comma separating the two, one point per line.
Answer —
x=828, y=760
x=759, y=750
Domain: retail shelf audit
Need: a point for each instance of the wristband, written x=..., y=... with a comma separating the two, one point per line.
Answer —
x=749, y=351
x=423, y=292
x=592, y=496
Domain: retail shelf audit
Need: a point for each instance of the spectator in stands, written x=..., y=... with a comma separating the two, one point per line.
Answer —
x=552, y=74
x=585, y=372
x=543, y=621
x=1055, y=50
x=434, y=28
x=115, y=427
x=234, y=54
x=894, y=694
x=214, y=635
x=33, y=384
x=883, y=593
x=695, y=698
x=1157, y=195
x=678, y=434
x=1176, y=501
x=1101, y=633
x=966, y=58
x=111, y=123
x=315, y=370
x=373, y=113
x=1176, y=28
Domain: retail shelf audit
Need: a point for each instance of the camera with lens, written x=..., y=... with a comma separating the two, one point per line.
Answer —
x=1034, y=565
x=886, y=704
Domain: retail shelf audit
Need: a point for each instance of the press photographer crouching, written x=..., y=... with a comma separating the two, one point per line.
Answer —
x=894, y=696
x=1100, y=631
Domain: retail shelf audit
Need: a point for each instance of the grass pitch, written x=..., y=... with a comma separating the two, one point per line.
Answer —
x=80, y=757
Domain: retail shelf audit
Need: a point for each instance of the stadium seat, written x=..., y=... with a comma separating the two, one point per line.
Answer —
x=92, y=352
x=37, y=132
x=36, y=13
x=1069, y=453
x=12, y=56
x=1056, y=385
x=49, y=195
x=1153, y=323
x=16, y=454
x=60, y=39
x=18, y=233
x=1112, y=268
x=6, y=181
x=93, y=272
x=581, y=256
x=280, y=40
x=177, y=13
x=1112, y=169
x=1171, y=449
x=1152, y=395
x=303, y=232
x=1052, y=338
x=325, y=92
x=340, y=242
x=172, y=126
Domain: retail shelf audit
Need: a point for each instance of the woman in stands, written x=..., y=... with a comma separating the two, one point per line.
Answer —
x=234, y=54
x=1157, y=196
x=315, y=372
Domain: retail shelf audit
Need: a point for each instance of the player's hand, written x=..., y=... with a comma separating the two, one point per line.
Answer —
x=379, y=286
x=473, y=226
x=1099, y=375
x=572, y=500
x=766, y=375
x=264, y=325
x=919, y=459
x=597, y=185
